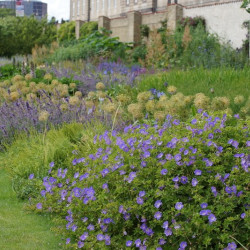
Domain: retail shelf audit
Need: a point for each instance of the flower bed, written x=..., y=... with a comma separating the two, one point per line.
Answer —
x=167, y=186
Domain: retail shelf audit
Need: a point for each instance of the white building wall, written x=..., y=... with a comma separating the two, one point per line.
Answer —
x=223, y=19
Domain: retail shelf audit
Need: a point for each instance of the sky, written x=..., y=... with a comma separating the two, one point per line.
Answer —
x=58, y=9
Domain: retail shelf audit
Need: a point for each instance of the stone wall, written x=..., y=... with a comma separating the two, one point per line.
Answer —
x=224, y=19
x=127, y=28
x=124, y=17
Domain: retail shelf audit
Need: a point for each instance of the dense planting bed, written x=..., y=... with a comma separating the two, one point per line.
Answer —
x=166, y=186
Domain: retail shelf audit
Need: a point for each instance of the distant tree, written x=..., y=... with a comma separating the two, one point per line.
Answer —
x=20, y=34
x=6, y=12
x=62, y=21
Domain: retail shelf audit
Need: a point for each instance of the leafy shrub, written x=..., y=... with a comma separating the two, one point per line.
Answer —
x=66, y=32
x=97, y=44
x=175, y=185
x=192, y=22
x=7, y=70
x=88, y=28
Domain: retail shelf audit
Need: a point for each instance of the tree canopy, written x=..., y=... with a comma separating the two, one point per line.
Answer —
x=20, y=34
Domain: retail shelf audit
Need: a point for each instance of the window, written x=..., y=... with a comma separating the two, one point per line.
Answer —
x=136, y=1
x=78, y=7
x=127, y=2
x=73, y=9
x=114, y=3
x=108, y=4
x=103, y=3
x=97, y=4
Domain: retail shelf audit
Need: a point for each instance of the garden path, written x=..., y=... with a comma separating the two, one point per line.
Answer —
x=18, y=229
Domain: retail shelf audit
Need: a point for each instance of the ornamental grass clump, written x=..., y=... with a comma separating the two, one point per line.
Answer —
x=172, y=186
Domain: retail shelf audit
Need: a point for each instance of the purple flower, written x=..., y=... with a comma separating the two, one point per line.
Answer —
x=149, y=231
x=146, y=154
x=84, y=236
x=164, y=171
x=162, y=242
x=213, y=189
x=243, y=215
x=194, y=182
x=159, y=156
x=197, y=172
x=39, y=205
x=129, y=243
x=165, y=224
x=168, y=232
x=52, y=164
x=80, y=244
x=178, y=205
x=137, y=242
x=183, y=245
x=158, y=203
x=169, y=157
x=176, y=179
x=142, y=193
x=184, y=179
x=131, y=177
x=67, y=240
x=235, y=144
x=231, y=246
x=158, y=215
x=194, y=121
x=105, y=186
x=91, y=227
x=211, y=218
x=205, y=212
x=76, y=175
x=74, y=227
x=139, y=200
x=177, y=157
x=100, y=237
x=204, y=205
x=31, y=176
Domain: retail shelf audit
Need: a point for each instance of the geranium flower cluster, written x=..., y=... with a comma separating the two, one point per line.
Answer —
x=171, y=186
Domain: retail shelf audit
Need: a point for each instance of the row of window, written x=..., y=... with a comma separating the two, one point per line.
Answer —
x=98, y=4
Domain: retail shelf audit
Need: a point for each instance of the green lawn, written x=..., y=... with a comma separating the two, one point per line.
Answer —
x=225, y=82
x=18, y=229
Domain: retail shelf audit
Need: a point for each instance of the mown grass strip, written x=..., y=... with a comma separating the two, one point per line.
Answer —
x=18, y=229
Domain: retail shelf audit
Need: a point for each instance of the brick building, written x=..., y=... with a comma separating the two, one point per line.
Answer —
x=124, y=17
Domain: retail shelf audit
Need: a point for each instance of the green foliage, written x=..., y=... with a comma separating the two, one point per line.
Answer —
x=198, y=48
x=139, y=53
x=88, y=28
x=214, y=82
x=192, y=22
x=144, y=30
x=20, y=34
x=4, y=12
x=7, y=70
x=97, y=44
x=33, y=154
x=105, y=192
x=66, y=32
x=246, y=5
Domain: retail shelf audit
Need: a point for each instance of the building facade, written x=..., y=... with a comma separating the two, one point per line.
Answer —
x=124, y=17
x=26, y=7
